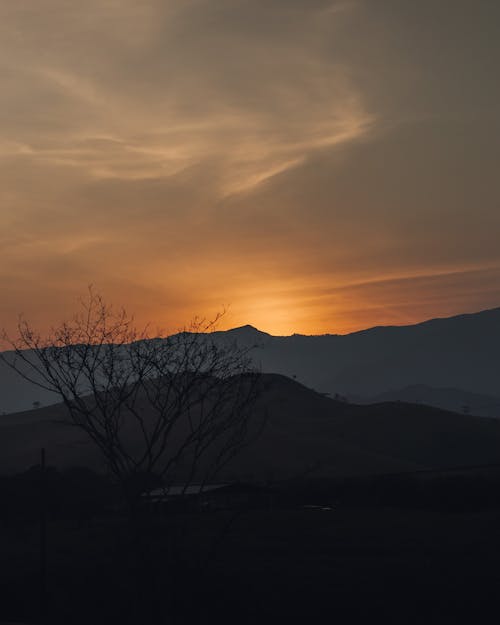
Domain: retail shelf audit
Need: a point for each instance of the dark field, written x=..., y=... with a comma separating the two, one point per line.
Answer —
x=347, y=565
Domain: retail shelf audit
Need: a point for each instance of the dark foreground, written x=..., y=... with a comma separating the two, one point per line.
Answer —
x=347, y=565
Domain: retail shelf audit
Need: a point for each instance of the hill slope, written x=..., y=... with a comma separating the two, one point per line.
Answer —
x=446, y=398
x=306, y=433
x=459, y=353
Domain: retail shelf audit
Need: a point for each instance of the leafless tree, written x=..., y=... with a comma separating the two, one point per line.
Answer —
x=175, y=407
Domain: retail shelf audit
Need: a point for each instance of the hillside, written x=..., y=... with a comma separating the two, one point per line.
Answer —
x=459, y=353
x=306, y=434
x=446, y=398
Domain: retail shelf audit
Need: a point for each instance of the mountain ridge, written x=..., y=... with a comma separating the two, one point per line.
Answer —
x=458, y=316
x=459, y=352
x=306, y=433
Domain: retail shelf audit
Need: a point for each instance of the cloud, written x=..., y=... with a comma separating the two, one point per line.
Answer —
x=237, y=85
x=190, y=154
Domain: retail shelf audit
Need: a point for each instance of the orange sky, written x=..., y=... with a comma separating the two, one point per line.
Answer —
x=311, y=165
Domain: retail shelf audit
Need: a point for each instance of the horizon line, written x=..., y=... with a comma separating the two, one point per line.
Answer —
x=376, y=327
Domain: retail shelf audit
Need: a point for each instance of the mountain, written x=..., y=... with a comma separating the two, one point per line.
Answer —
x=18, y=394
x=246, y=335
x=461, y=352
x=305, y=433
x=446, y=398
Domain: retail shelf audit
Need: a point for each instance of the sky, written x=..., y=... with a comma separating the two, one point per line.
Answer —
x=309, y=166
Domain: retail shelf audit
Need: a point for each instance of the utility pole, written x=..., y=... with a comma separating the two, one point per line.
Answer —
x=43, y=540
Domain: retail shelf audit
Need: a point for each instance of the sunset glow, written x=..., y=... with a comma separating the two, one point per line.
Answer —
x=287, y=161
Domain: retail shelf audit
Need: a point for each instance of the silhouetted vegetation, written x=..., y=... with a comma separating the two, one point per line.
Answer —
x=176, y=407
x=354, y=548
x=154, y=540
x=466, y=491
x=73, y=494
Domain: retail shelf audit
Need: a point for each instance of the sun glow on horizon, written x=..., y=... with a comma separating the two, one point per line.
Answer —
x=263, y=157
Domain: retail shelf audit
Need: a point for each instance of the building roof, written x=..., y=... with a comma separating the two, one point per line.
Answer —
x=179, y=491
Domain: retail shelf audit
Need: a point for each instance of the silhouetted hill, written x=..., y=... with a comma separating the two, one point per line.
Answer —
x=246, y=334
x=459, y=352
x=446, y=398
x=306, y=434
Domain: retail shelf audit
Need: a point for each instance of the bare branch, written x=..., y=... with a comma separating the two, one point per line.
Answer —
x=174, y=406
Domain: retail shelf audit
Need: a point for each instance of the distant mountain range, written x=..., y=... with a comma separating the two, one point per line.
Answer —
x=452, y=363
x=306, y=434
x=446, y=398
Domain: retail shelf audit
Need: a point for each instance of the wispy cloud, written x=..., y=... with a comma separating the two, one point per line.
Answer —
x=287, y=157
x=253, y=108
